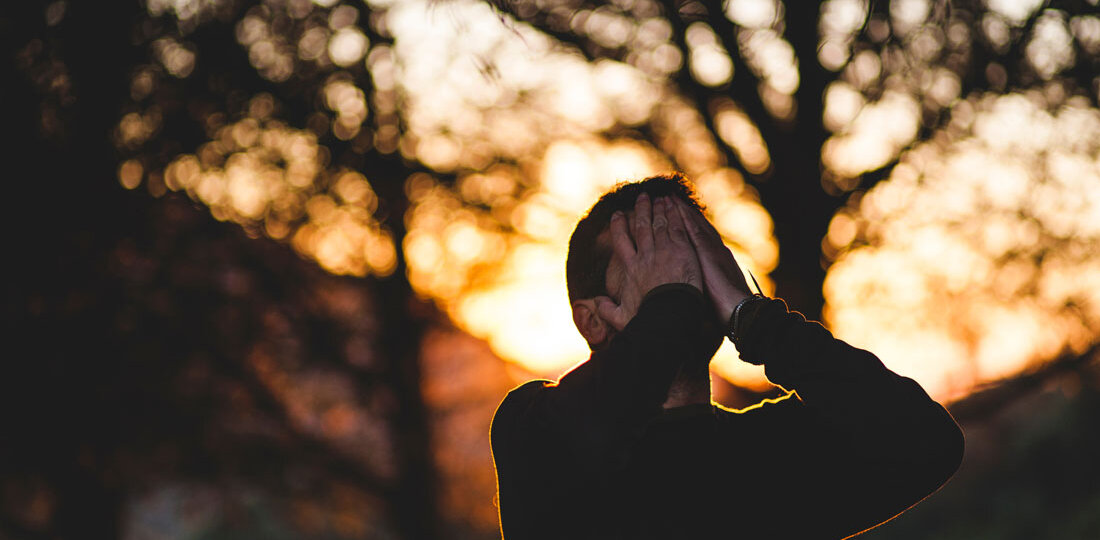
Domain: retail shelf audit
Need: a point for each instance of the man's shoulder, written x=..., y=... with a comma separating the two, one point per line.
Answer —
x=529, y=388
x=517, y=403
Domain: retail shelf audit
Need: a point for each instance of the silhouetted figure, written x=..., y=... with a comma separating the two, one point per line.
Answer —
x=628, y=444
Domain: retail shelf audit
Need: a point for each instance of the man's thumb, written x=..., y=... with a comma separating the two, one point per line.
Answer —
x=611, y=312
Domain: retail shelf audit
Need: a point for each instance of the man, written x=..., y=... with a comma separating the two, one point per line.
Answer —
x=628, y=444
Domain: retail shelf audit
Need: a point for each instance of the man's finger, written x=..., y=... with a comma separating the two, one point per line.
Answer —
x=677, y=229
x=611, y=312
x=702, y=228
x=643, y=228
x=694, y=232
x=660, y=221
x=621, y=243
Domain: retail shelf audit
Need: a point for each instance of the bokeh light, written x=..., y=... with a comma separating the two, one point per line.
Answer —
x=272, y=178
x=955, y=300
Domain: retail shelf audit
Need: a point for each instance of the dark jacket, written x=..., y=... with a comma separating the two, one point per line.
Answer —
x=594, y=455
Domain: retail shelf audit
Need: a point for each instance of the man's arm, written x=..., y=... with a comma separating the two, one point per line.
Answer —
x=861, y=444
x=864, y=443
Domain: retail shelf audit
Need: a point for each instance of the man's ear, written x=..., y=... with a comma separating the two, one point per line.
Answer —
x=595, y=330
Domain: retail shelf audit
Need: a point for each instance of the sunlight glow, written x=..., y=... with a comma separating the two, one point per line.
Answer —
x=772, y=58
x=130, y=173
x=176, y=58
x=509, y=287
x=709, y=61
x=491, y=251
x=268, y=50
x=737, y=130
x=752, y=13
x=1016, y=11
x=347, y=46
x=977, y=257
x=909, y=14
x=840, y=20
x=135, y=128
x=488, y=85
x=876, y=133
x=1051, y=47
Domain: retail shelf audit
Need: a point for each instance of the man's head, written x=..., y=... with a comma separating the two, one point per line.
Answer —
x=590, y=251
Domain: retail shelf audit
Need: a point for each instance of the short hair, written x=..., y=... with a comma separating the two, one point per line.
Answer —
x=587, y=261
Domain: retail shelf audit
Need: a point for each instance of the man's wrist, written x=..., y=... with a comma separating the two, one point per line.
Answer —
x=729, y=302
x=735, y=324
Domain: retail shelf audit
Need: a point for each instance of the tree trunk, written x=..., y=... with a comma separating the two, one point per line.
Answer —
x=67, y=208
x=403, y=331
x=793, y=194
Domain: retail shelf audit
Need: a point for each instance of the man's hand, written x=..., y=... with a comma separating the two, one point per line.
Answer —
x=724, y=281
x=660, y=253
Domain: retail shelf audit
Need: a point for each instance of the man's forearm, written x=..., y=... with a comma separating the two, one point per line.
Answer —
x=888, y=414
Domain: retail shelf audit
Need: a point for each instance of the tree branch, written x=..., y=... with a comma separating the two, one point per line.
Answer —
x=744, y=88
x=700, y=95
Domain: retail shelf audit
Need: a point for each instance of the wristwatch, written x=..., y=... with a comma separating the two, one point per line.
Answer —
x=735, y=317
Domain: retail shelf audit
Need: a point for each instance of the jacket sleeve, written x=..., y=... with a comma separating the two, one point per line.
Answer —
x=862, y=444
x=600, y=406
